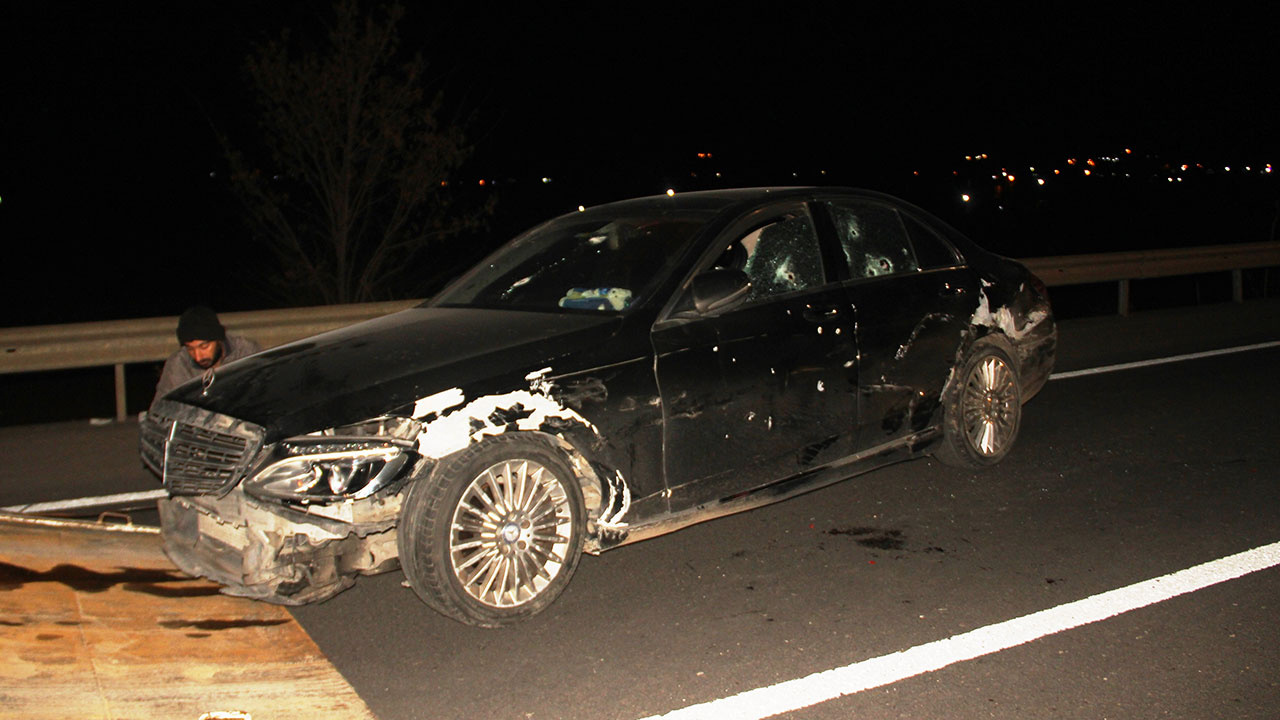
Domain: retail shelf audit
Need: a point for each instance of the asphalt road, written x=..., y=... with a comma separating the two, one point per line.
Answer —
x=1117, y=478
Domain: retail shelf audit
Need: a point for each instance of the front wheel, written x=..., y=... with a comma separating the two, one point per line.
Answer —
x=495, y=533
x=983, y=409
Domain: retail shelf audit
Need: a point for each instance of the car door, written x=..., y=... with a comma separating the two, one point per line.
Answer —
x=766, y=389
x=913, y=301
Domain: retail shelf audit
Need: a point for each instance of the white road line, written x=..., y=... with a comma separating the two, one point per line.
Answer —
x=1162, y=361
x=73, y=504
x=800, y=693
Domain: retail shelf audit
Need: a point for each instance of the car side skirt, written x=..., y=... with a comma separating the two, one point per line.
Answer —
x=895, y=451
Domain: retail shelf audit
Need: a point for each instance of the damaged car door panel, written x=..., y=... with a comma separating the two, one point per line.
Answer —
x=608, y=376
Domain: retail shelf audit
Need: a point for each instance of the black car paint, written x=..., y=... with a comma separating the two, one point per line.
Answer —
x=908, y=332
x=737, y=395
x=378, y=366
x=748, y=391
x=699, y=415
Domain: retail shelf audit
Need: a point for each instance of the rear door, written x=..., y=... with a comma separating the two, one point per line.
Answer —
x=914, y=300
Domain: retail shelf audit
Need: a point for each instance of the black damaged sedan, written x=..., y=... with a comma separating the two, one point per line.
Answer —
x=610, y=375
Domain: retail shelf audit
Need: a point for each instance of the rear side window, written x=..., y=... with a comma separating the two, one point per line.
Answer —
x=931, y=250
x=873, y=239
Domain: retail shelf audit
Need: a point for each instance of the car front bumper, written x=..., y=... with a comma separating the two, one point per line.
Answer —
x=272, y=553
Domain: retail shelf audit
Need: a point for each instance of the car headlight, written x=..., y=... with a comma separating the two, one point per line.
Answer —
x=346, y=463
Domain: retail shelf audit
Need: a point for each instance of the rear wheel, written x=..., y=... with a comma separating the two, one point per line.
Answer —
x=495, y=533
x=983, y=409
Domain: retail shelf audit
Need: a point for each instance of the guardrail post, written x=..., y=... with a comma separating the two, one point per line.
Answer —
x=121, y=412
x=1124, y=297
x=1237, y=285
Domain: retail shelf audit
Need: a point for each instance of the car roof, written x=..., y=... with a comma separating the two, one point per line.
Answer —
x=718, y=199
x=730, y=201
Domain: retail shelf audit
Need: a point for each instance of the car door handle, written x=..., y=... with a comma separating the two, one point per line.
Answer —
x=950, y=290
x=821, y=314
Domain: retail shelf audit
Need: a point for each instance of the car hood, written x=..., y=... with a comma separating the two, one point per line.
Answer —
x=383, y=365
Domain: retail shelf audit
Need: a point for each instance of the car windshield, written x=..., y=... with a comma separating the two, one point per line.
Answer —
x=584, y=261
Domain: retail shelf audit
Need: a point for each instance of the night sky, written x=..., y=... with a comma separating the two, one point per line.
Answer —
x=112, y=194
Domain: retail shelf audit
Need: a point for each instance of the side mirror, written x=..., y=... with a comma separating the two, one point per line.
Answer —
x=720, y=289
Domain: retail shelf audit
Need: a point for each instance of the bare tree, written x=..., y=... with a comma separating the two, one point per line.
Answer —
x=361, y=165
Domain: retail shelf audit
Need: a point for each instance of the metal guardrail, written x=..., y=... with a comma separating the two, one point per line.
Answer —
x=121, y=342
x=118, y=342
x=1122, y=267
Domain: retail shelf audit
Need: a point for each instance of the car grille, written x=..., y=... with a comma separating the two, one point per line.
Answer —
x=197, y=452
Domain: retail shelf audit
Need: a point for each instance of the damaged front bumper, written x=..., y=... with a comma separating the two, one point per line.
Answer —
x=274, y=553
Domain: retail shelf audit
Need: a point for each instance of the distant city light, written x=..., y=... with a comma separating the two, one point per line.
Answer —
x=581, y=209
x=1002, y=179
x=546, y=181
x=671, y=192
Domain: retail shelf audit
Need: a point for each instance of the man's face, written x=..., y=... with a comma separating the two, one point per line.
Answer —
x=205, y=353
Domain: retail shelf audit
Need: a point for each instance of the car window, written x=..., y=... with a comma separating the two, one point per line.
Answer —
x=931, y=250
x=873, y=239
x=579, y=262
x=779, y=257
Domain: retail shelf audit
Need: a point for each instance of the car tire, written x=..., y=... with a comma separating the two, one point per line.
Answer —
x=494, y=534
x=983, y=409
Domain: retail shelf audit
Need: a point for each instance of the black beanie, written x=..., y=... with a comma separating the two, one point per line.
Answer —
x=200, y=323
